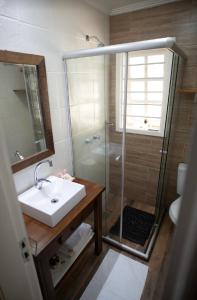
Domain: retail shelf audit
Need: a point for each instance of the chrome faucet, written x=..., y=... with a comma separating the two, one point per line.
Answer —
x=38, y=182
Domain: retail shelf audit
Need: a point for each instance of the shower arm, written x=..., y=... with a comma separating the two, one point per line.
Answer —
x=94, y=37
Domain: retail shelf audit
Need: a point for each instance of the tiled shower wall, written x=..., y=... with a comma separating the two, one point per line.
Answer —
x=178, y=20
x=86, y=84
x=50, y=28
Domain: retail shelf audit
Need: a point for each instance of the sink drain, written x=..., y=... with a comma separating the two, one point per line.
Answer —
x=54, y=200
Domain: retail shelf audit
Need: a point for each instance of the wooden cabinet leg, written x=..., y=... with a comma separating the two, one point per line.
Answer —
x=45, y=279
x=98, y=224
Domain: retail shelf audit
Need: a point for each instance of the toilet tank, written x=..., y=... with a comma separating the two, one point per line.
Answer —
x=181, y=175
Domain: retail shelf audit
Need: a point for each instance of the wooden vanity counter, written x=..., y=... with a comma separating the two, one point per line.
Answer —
x=45, y=241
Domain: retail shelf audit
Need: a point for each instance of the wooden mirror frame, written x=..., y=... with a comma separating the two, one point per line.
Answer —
x=39, y=62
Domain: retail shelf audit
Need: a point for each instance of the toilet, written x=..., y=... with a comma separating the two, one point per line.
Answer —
x=175, y=206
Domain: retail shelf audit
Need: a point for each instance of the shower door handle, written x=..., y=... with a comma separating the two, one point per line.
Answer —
x=109, y=123
x=163, y=151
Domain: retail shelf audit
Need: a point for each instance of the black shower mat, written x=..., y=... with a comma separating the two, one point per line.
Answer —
x=137, y=225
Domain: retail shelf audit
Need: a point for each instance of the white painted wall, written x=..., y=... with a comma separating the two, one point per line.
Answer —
x=49, y=28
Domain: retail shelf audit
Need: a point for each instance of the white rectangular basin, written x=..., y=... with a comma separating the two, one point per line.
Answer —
x=50, y=204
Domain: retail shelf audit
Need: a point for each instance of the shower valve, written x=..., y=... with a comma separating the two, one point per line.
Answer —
x=96, y=137
x=87, y=141
x=117, y=158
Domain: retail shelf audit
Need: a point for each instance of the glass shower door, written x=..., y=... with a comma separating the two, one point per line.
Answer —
x=97, y=144
x=86, y=84
x=160, y=203
x=114, y=151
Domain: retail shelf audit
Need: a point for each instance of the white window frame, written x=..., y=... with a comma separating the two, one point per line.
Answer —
x=166, y=87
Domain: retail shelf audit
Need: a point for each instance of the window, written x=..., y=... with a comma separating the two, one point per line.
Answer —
x=147, y=91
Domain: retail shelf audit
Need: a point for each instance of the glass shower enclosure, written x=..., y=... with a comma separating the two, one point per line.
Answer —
x=121, y=105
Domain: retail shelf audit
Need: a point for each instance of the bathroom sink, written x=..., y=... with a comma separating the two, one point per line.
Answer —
x=50, y=204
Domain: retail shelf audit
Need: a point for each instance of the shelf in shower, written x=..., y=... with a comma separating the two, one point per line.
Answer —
x=188, y=90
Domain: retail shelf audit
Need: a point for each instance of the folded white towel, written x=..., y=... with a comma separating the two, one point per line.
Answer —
x=73, y=242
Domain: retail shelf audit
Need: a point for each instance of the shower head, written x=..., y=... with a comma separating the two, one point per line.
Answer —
x=94, y=37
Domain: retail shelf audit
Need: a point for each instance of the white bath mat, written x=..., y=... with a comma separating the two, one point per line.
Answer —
x=118, y=278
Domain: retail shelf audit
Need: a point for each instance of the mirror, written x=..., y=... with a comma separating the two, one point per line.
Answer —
x=20, y=111
x=24, y=108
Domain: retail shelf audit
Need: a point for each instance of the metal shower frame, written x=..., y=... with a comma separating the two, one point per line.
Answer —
x=167, y=43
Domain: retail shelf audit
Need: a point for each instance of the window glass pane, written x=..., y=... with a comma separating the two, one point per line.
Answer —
x=153, y=124
x=156, y=70
x=136, y=86
x=155, y=58
x=136, y=60
x=157, y=97
x=136, y=123
x=155, y=85
x=135, y=97
x=144, y=111
x=153, y=111
x=136, y=71
x=146, y=124
x=136, y=110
